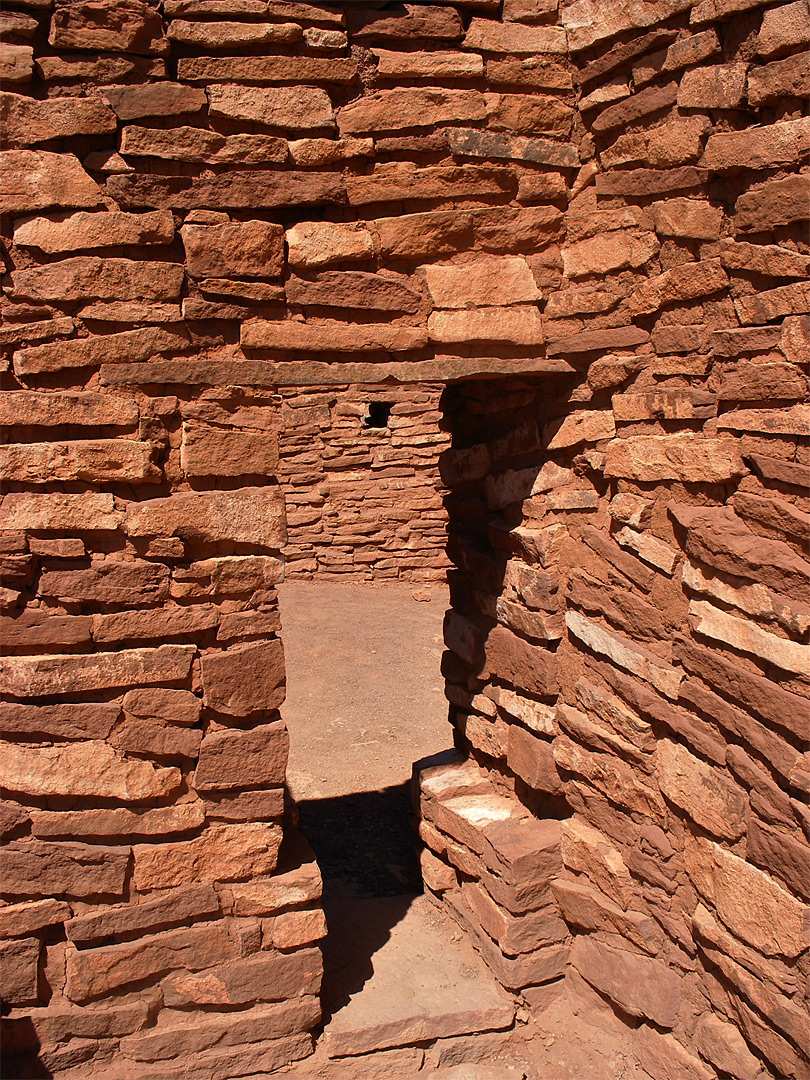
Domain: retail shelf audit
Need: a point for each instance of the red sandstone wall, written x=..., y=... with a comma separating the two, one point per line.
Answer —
x=363, y=502
x=206, y=205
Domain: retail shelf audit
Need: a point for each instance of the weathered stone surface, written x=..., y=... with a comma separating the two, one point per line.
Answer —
x=35, y=630
x=96, y=460
x=128, y=346
x=776, y=202
x=664, y=1056
x=266, y=977
x=469, y=142
x=154, y=99
x=705, y=794
x=211, y=451
x=234, y=190
x=774, y=303
x=265, y=69
x=392, y=183
x=427, y=65
x=16, y=63
x=107, y=581
x=221, y=853
x=514, y=39
x=37, y=179
x=740, y=634
x=716, y=536
x=723, y=1045
x=203, y=1032
x=19, y=920
x=168, y=908
x=513, y=660
x=19, y=971
x=116, y=25
x=34, y=868
x=300, y=109
x=194, y=144
x=609, y=252
x=750, y=903
x=640, y=985
x=27, y=121
x=719, y=87
x=29, y=408
x=591, y=910
x=232, y=35
x=241, y=759
x=118, y=822
x=249, y=249
x=244, y=805
x=407, y=107
x=530, y=758
x=91, y=769
x=781, y=79
x=578, y=427
x=782, y=31
x=419, y=235
x=94, y=973
x=518, y=325
x=618, y=781
x=625, y=337
x=245, y=679
x=758, y=148
x=650, y=458
x=485, y=282
x=90, y=720
x=651, y=100
x=157, y=703
x=87, y=277
x=155, y=624
x=319, y=243
x=156, y=738
x=248, y=516
x=692, y=218
x=627, y=655
x=331, y=335
x=42, y=676
x=353, y=289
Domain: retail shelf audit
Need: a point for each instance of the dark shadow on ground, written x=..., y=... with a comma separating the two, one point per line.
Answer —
x=365, y=844
x=366, y=848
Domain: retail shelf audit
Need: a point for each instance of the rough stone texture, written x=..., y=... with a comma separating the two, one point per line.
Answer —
x=601, y=208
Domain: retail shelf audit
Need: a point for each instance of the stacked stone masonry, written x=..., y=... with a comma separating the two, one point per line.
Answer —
x=588, y=222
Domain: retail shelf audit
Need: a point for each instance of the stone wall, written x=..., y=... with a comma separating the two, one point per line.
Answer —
x=359, y=468
x=216, y=214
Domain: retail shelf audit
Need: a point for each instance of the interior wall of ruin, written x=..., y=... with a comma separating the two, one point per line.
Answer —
x=359, y=469
x=216, y=212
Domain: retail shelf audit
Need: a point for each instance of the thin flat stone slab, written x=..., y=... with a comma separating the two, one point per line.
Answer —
x=423, y=985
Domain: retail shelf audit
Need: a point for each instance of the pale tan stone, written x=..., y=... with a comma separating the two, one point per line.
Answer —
x=714, y=623
x=93, y=460
x=58, y=512
x=651, y=458
x=626, y=654
x=407, y=107
x=73, y=232
x=37, y=179
x=609, y=252
x=518, y=325
x=486, y=282
x=91, y=769
x=319, y=243
x=579, y=427
x=648, y=548
x=249, y=516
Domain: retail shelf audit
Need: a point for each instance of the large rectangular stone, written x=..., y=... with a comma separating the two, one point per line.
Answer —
x=37, y=179
x=245, y=679
x=253, y=515
x=331, y=336
x=408, y=107
x=28, y=120
x=298, y=109
x=527, y=667
x=236, y=249
x=91, y=460
x=626, y=654
x=94, y=973
x=640, y=985
x=265, y=69
x=652, y=458
x=214, y=451
x=108, y=581
x=172, y=906
x=128, y=346
x=31, y=408
x=266, y=977
x=45, y=676
x=247, y=189
x=220, y=853
x=485, y=282
x=88, y=277
x=34, y=868
x=243, y=759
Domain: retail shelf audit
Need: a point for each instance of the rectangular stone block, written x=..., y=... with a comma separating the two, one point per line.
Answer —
x=241, y=759
x=37, y=179
x=35, y=868
x=91, y=460
x=298, y=109
x=236, y=249
x=19, y=971
x=173, y=906
x=530, y=668
x=221, y=853
x=639, y=985
x=252, y=515
x=245, y=679
x=279, y=977
x=88, y=277
x=94, y=973
x=44, y=676
x=126, y=347
x=29, y=121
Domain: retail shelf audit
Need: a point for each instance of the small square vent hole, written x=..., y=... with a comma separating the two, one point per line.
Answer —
x=377, y=414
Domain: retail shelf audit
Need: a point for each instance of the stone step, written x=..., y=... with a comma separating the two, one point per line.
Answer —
x=402, y=974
